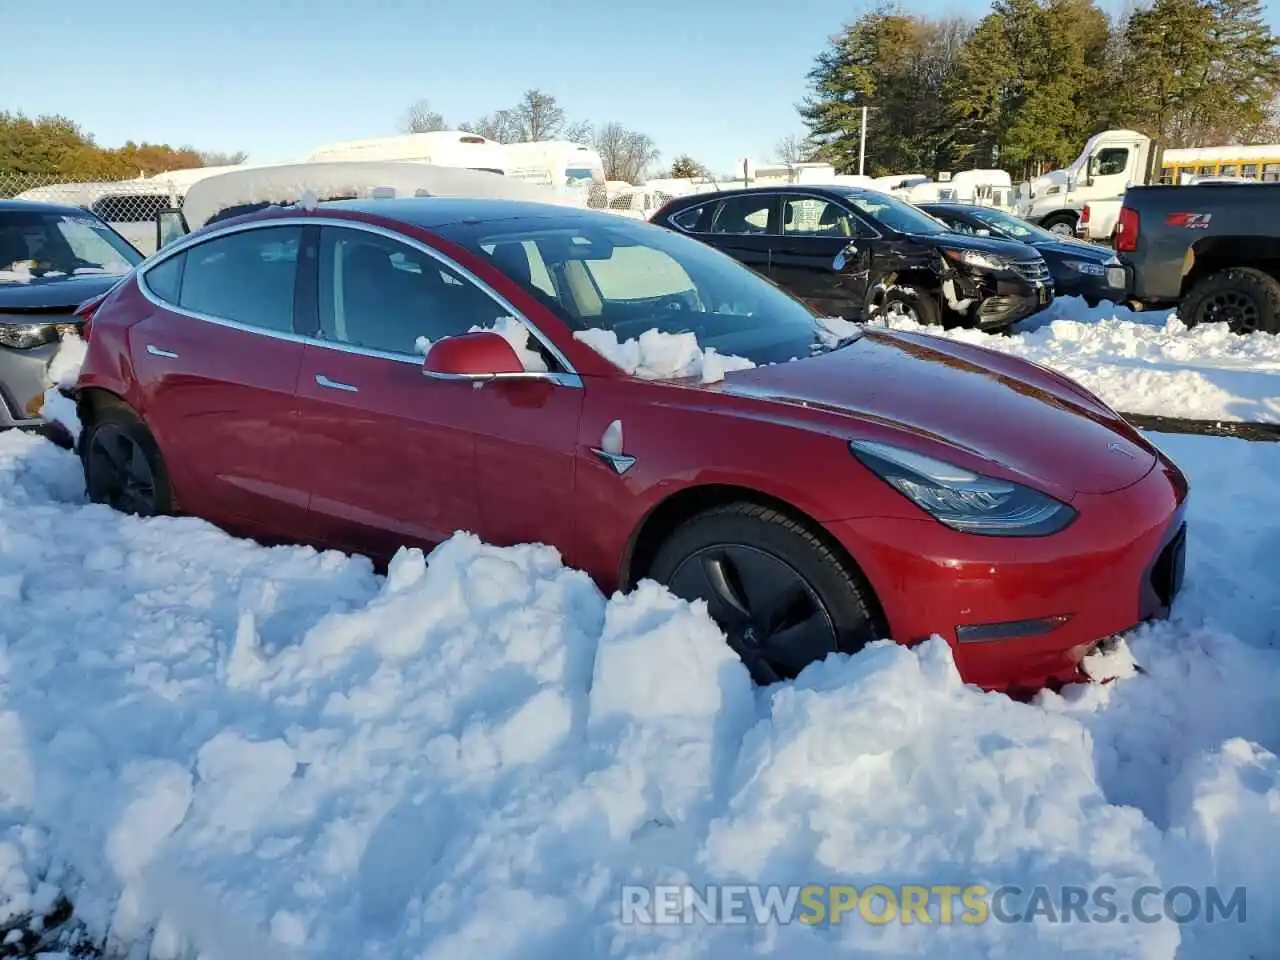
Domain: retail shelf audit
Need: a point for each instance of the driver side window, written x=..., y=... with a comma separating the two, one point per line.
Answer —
x=383, y=295
x=1110, y=161
x=959, y=226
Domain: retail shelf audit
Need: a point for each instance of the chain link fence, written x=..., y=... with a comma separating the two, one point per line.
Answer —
x=130, y=206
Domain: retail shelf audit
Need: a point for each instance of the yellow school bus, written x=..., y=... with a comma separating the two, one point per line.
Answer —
x=1256, y=162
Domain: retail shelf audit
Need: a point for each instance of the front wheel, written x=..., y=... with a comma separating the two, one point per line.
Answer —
x=783, y=598
x=907, y=303
x=122, y=464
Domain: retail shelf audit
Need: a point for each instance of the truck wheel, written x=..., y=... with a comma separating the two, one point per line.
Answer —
x=1063, y=224
x=1247, y=300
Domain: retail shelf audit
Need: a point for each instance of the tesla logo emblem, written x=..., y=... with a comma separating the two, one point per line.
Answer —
x=1117, y=448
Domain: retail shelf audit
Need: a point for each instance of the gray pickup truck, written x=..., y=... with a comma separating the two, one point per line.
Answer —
x=1212, y=250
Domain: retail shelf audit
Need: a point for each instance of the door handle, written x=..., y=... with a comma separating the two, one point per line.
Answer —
x=323, y=381
x=157, y=352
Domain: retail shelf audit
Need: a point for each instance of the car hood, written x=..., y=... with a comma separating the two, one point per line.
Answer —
x=1011, y=249
x=59, y=293
x=1025, y=422
x=1075, y=250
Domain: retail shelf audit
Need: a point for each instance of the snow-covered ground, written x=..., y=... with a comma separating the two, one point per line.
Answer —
x=1147, y=363
x=221, y=750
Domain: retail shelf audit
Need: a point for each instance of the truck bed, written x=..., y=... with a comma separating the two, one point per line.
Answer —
x=1184, y=232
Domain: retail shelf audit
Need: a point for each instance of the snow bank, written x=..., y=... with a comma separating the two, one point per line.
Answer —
x=247, y=752
x=656, y=355
x=1144, y=363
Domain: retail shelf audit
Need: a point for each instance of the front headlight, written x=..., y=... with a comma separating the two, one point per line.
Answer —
x=961, y=499
x=1085, y=267
x=25, y=336
x=976, y=258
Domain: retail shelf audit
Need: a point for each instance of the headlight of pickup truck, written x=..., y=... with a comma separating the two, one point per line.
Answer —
x=26, y=336
x=1085, y=267
x=976, y=258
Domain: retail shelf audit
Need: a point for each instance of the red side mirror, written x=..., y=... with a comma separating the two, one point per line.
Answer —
x=472, y=356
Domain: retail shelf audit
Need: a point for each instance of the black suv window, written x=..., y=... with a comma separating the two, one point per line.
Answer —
x=247, y=277
x=384, y=295
x=746, y=214
x=815, y=217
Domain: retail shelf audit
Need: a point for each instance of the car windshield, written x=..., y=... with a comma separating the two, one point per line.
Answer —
x=629, y=277
x=1010, y=225
x=894, y=213
x=38, y=246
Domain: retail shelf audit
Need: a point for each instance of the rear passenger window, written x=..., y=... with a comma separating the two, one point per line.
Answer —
x=247, y=277
x=743, y=215
x=165, y=279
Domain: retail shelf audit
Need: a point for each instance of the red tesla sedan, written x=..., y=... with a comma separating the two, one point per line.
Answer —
x=268, y=374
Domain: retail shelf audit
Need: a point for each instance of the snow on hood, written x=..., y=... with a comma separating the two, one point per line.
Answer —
x=242, y=752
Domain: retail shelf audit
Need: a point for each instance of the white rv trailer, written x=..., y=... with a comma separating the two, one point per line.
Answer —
x=556, y=162
x=443, y=148
x=241, y=191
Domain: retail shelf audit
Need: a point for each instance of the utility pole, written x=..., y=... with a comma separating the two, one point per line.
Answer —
x=862, y=144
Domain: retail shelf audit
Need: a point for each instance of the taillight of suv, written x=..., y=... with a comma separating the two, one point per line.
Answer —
x=1128, y=225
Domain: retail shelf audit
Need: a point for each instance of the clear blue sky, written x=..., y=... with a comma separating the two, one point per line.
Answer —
x=718, y=79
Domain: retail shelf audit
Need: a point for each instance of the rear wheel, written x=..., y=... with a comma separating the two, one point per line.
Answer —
x=783, y=598
x=1246, y=299
x=122, y=465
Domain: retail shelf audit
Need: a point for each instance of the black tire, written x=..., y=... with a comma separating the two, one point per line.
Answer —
x=823, y=608
x=911, y=304
x=115, y=443
x=1246, y=299
x=1065, y=223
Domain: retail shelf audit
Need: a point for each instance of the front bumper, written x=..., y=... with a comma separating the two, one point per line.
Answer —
x=1021, y=613
x=1113, y=286
x=24, y=376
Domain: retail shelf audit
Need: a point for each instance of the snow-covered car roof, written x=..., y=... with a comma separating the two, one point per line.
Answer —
x=290, y=182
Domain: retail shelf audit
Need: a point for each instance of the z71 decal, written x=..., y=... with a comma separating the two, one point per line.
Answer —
x=1192, y=221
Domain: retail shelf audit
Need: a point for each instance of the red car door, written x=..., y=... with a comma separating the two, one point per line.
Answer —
x=396, y=458
x=217, y=362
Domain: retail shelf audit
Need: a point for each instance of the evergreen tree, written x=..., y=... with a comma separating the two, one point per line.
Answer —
x=684, y=166
x=896, y=66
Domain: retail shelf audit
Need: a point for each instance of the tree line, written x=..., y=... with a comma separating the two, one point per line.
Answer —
x=1024, y=87
x=56, y=147
x=625, y=154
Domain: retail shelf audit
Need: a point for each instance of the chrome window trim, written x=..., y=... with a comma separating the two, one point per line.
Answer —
x=568, y=377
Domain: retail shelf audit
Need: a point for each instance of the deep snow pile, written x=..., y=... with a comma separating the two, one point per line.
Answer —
x=212, y=746
x=1148, y=363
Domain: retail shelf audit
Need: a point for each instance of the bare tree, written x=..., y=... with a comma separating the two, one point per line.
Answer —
x=626, y=154
x=501, y=125
x=539, y=116
x=221, y=158
x=579, y=132
x=421, y=118
x=792, y=149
